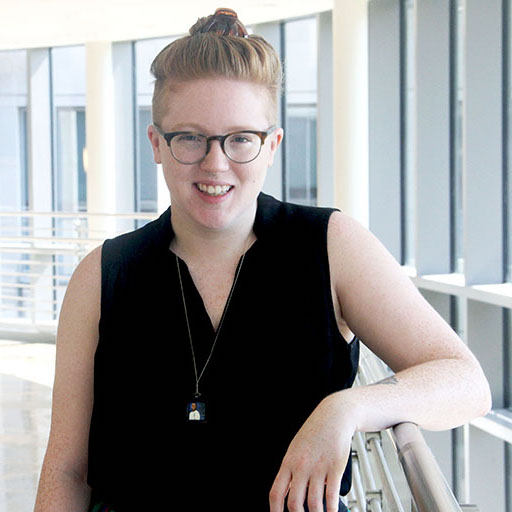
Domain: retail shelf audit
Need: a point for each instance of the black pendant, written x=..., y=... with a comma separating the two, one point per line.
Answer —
x=196, y=411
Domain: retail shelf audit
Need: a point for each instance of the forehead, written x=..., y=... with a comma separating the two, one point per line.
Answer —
x=216, y=105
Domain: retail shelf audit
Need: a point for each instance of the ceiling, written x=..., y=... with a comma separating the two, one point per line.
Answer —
x=43, y=23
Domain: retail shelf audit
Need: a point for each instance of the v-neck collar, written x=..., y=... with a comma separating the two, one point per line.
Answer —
x=264, y=225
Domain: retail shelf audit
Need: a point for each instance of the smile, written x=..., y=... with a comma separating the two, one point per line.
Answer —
x=214, y=191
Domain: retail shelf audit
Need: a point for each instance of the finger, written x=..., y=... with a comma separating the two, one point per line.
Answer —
x=297, y=493
x=332, y=491
x=279, y=490
x=316, y=494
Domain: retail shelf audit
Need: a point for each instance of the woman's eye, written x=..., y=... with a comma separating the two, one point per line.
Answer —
x=188, y=137
x=241, y=139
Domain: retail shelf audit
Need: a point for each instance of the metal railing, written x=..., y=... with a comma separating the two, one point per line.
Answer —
x=38, y=253
x=393, y=470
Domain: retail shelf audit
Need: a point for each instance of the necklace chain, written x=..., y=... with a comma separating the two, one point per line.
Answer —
x=198, y=378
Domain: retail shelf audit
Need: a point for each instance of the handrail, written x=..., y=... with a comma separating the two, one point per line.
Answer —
x=80, y=215
x=38, y=253
x=428, y=487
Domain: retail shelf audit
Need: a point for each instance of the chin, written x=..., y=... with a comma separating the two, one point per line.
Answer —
x=216, y=222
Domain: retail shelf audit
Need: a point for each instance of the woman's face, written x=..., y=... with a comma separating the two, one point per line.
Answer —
x=215, y=107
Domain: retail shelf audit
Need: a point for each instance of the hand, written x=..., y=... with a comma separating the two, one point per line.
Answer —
x=316, y=459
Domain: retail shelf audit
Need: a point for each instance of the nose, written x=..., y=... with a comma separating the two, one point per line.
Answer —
x=215, y=159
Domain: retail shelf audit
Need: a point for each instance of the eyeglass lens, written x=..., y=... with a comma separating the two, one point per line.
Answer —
x=240, y=147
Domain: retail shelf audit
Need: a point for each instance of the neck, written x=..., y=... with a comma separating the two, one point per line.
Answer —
x=195, y=242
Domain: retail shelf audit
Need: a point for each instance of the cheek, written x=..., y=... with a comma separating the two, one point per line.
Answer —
x=256, y=175
x=172, y=176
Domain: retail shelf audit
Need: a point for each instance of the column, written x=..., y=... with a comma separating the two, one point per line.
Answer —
x=483, y=235
x=40, y=179
x=350, y=77
x=110, y=134
x=100, y=137
x=384, y=124
x=271, y=32
x=325, y=134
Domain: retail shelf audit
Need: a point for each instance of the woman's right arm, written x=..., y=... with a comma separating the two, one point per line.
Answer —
x=62, y=485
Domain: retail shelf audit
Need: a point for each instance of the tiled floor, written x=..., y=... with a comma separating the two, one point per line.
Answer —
x=26, y=379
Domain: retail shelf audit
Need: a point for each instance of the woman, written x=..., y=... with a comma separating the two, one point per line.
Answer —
x=205, y=358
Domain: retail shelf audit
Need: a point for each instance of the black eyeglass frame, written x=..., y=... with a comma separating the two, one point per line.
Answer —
x=168, y=136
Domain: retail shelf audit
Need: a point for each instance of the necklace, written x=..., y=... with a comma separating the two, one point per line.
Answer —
x=196, y=408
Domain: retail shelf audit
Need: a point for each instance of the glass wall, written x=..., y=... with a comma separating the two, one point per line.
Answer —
x=13, y=126
x=146, y=196
x=456, y=105
x=13, y=172
x=409, y=123
x=300, y=68
x=68, y=85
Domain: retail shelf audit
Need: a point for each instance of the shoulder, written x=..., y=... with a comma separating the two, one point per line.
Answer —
x=357, y=257
x=292, y=217
x=135, y=244
x=87, y=273
x=346, y=235
x=84, y=287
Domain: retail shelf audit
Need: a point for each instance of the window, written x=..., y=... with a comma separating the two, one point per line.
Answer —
x=68, y=84
x=68, y=87
x=454, y=132
x=300, y=68
x=13, y=104
x=146, y=189
x=71, y=180
x=13, y=172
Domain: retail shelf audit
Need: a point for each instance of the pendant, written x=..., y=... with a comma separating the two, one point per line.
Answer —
x=196, y=411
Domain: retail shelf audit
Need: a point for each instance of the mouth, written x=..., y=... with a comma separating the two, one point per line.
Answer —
x=213, y=190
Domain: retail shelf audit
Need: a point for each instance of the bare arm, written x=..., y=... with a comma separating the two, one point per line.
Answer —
x=438, y=383
x=62, y=485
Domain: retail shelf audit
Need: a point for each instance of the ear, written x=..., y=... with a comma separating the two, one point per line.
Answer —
x=154, y=139
x=275, y=141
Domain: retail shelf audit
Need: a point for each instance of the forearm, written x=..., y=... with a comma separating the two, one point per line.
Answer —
x=436, y=395
x=60, y=491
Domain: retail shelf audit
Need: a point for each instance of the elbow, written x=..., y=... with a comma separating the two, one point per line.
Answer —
x=485, y=401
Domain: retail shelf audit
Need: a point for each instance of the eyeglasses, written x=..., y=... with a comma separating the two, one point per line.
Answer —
x=192, y=147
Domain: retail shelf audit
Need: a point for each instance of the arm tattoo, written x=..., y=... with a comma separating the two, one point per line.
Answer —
x=389, y=381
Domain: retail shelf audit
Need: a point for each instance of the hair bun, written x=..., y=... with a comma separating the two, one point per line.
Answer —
x=227, y=15
x=224, y=22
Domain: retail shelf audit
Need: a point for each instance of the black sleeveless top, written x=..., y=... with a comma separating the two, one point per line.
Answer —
x=279, y=353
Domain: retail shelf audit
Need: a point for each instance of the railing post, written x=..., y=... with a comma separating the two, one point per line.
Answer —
x=373, y=440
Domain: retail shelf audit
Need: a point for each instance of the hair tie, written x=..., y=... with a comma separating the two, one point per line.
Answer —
x=225, y=22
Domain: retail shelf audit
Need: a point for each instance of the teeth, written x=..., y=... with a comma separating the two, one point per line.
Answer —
x=218, y=190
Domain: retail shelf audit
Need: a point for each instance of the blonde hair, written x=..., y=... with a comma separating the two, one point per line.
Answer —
x=213, y=55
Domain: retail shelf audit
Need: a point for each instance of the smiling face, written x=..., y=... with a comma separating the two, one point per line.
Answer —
x=215, y=193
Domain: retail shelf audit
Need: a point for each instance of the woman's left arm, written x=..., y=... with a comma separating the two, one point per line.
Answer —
x=438, y=383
